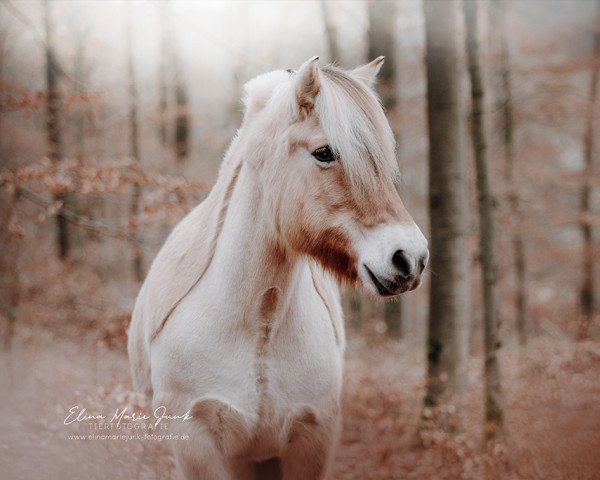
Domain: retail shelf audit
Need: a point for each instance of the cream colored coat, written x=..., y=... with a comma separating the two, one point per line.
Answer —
x=237, y=320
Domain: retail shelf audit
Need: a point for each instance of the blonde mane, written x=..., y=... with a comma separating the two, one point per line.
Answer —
x=353, y=120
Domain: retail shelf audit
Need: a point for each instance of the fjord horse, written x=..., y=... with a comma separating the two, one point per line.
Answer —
x=239, y=319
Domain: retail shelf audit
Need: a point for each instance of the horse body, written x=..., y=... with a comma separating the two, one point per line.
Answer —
x=249, y=323
x=251, y=340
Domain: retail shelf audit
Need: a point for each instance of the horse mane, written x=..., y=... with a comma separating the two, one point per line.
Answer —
x=187, y=252
x=190, y=248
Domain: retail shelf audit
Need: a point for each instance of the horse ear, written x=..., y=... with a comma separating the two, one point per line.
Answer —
x=307, y=85
x=368, y=72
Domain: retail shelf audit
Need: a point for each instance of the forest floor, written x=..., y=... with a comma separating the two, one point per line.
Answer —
x=552, y=410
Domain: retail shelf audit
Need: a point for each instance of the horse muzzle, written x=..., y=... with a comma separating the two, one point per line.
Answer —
x=391, y=286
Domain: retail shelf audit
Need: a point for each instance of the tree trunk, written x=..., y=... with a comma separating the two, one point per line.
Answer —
x=239, y=12
x=182, y=120
x=382, y=41
x=162, y=73
x=54, y=126
x=134, y=150
x=353, y=308
x=449, y=303
x=392, y=315
x=498, y=16
x=9, y=257
x=79, y=87
x=3, y=43
x=492, y=385
x=330, y=36
x=79, y=80
x=589, y=304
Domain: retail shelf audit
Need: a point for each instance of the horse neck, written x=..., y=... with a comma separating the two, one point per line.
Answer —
x=247, y=258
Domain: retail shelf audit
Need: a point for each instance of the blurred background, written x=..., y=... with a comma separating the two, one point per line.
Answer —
x=114, y=117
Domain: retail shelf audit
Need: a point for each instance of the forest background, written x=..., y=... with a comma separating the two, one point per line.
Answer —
x=114, y=117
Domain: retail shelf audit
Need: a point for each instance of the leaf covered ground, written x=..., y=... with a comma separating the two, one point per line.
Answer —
x=552, y=404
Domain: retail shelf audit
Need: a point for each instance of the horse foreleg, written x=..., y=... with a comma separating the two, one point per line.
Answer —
x=202, y=460
x=216, y=431
x=311, y=447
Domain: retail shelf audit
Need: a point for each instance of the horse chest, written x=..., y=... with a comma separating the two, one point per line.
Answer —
x=271, y=354
x=298, y=371
x=296, y=358
x=273, y=371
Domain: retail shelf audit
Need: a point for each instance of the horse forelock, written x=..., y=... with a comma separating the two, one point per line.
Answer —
x=353, y=120
x=348, y=111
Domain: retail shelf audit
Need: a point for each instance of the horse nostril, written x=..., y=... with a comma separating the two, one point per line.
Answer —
x=402, y=263
x=422, y=263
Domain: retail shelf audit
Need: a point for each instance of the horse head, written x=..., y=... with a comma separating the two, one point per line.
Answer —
x=325, y=155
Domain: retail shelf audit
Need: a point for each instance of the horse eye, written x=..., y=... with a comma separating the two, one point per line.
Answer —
x=324, y=154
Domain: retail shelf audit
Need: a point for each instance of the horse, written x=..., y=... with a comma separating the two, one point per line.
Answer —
x=239, y=322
